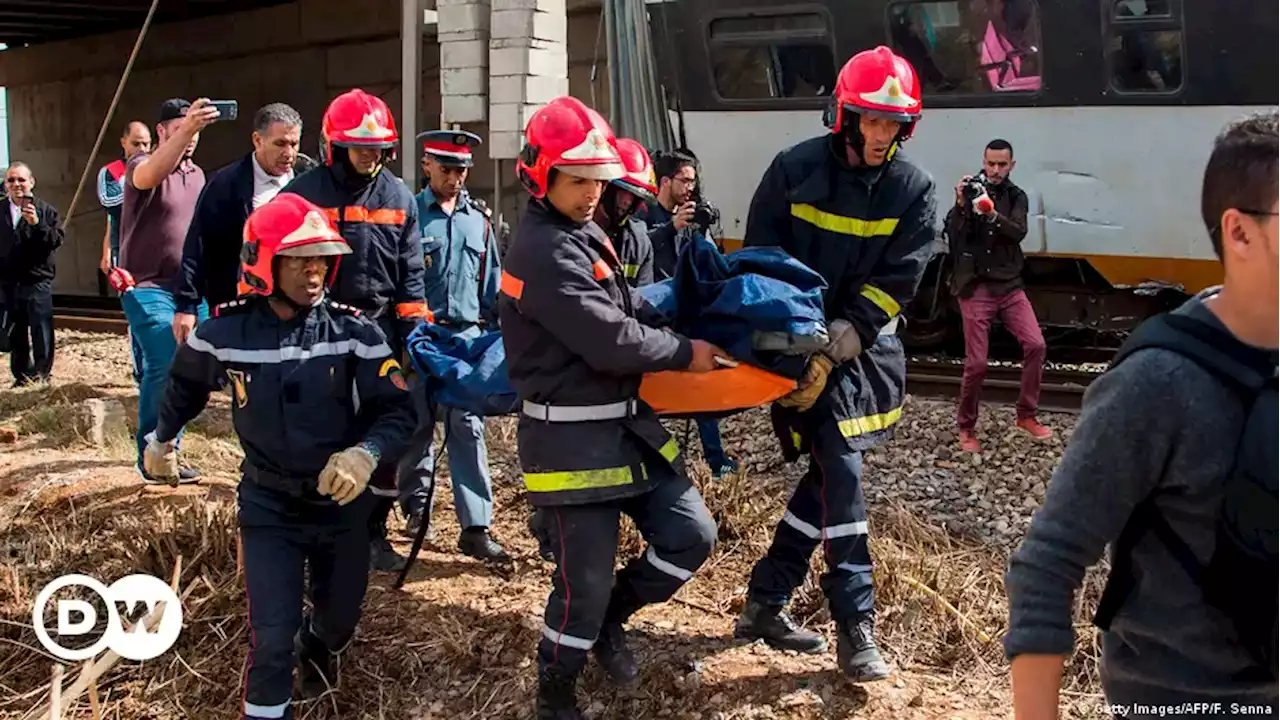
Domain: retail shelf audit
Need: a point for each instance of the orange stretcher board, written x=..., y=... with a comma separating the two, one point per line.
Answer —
x=679, y=392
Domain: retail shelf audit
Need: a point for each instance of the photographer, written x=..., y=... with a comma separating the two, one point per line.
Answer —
x=678, y=214
x=985, y=229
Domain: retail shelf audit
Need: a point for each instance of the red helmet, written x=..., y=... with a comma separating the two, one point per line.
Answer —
x=286, y=226
x=639, y=179
x=356, y=119
x=567, y=135
x=877, y=83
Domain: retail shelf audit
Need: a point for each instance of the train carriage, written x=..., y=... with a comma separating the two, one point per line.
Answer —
x=1111, y=106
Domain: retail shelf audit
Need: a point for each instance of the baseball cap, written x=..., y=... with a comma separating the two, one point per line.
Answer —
x=173, y=108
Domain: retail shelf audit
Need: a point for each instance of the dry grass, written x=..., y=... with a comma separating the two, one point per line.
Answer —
x=458, y=641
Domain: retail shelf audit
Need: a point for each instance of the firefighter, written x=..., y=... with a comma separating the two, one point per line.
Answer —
x=616, y=213
x=851, y=207
x=589, y=448
x=294, y=359
x=461, y=260
x=378, y=217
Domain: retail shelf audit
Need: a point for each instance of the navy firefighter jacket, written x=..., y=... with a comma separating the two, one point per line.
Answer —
x=302, y=389
x=869, y=232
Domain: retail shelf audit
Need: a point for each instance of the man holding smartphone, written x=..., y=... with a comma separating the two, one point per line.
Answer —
x=27, y=243
x=160, y=195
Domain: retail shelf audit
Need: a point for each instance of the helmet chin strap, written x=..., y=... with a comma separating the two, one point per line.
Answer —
x=610, y=204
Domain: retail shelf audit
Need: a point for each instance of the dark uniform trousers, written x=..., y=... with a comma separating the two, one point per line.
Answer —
x=827, y=508
x=281, y=534
x=28, y=321
x=382, y=484
x=679, y=533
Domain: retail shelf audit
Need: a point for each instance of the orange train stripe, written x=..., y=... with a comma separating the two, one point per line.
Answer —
x=1193, y=274
x=601, y=270
x=511, y=285
x=356, y=213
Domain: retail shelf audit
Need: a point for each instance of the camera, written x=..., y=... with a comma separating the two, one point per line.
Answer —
x=705, y=215
x=975, y=192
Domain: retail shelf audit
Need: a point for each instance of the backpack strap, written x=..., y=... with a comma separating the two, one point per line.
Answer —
x=1235, y=365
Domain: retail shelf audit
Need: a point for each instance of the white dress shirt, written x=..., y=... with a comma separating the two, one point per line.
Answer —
x=266, y=185
x=15, y=212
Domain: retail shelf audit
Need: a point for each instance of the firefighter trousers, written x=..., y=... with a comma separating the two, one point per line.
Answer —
x=828, y=509
x=679, y=535
x=281, y=536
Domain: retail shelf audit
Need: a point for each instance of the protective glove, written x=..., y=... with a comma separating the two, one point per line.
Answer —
x=160, y=460
x=845, y=344
x=811, y=385
x=346, y=475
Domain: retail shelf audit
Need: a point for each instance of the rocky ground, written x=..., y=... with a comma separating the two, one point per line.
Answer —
x=456, y=641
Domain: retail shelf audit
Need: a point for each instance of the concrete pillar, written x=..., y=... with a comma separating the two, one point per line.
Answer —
x=464, y=59
x=411, y=21
x=528, y=66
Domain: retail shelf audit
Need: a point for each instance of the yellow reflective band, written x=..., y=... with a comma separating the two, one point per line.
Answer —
x=630, y=270
x=796, y=439
x=882, y=299
x=577, y=479
x=670, y=450
x=854, y=427
x=841, y=224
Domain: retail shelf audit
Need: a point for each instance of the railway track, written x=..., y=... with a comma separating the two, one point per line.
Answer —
x=1060, y=390
x=89, y=314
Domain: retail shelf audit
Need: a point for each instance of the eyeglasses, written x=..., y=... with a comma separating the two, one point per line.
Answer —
x=1247, y=211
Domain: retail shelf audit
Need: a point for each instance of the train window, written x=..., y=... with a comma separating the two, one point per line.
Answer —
x=970, y=46
x=761, y=57
x=1146, y=60
x=1145, y=46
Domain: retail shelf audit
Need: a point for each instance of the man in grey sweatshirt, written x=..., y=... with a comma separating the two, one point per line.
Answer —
x=1159, y=426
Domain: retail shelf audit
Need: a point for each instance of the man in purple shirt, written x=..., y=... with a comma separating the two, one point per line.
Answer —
x=160, y=193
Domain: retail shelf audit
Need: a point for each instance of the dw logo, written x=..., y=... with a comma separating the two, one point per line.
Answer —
x=140, y=643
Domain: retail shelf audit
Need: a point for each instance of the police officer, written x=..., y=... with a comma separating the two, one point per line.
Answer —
x=294, y=359
x=617, y=212
x=377, y=216
x=461, y=259
x=589, y=448
x=850, y=206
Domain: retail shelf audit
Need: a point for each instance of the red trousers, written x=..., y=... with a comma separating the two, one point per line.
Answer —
x=1014, y=310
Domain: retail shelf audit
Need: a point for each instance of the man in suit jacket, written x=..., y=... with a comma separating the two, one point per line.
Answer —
x=29, y=235
x=211, y=256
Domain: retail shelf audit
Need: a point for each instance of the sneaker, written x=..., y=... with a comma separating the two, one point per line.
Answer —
x=1032, y=427
x=186, y=476
x=969, y=441
x=728, y=467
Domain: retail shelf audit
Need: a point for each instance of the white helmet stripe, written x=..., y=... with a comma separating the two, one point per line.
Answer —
x=313, y=226
x=369, y=128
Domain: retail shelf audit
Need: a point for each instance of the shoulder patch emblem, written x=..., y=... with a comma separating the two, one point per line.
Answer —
x=391, y=370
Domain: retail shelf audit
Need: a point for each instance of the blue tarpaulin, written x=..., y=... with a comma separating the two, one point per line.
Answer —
x=465, y=370
x=723, y=299
x=729, y=299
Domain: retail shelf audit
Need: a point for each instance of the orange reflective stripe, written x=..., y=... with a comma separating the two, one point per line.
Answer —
x=601, y=269
x=356, y=213
x=414, y=310
x=511, y=285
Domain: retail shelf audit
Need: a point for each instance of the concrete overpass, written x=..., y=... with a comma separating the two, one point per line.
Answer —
x=66, y=58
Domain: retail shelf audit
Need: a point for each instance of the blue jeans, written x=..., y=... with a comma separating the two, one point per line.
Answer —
x=150, y=315
x=712, y=449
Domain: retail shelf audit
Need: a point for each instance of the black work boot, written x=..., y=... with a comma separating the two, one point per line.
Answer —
x=856, y=649
x=778, y=630
x=556, y=698
x=317, y=667
x=477, y=543
x=413, y=522
x=615, y=657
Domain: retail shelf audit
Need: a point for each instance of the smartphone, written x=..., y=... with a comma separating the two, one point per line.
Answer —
x=25, y=200
x=227, y=109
